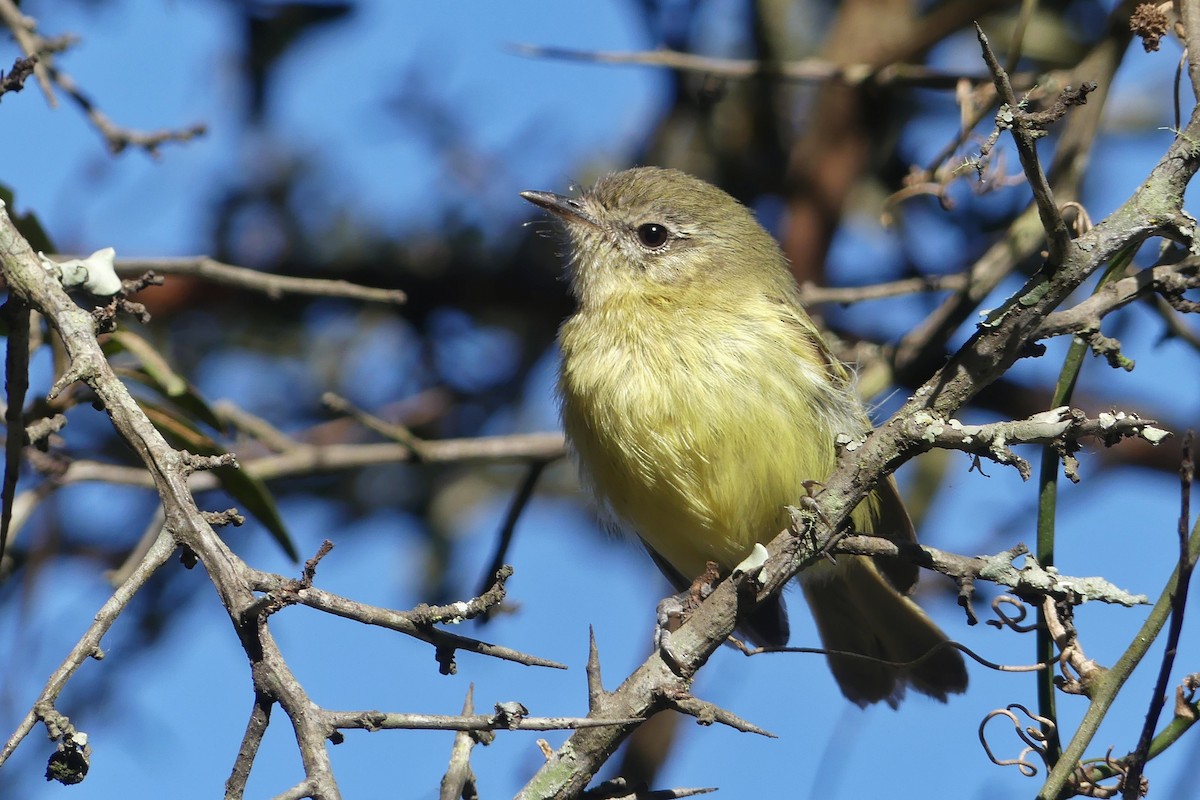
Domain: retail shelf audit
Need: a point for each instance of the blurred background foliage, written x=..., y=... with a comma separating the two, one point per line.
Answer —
x=384, y=144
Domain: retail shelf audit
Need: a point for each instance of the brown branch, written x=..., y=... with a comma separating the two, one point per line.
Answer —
x=24, y=30
x=1085, y=316
x=812, y=294
x=311, y=459
x=235, y=583
x=520, y=501
x=807, y=70
x=14, y=80
x=89, y=645
x=459, y=780
x=1026, y=128
x=1189, y=12
x=273, y=286
x=1028, y=580
x=119, y=138
x=169, y=468
x=296, y=459
x=417, y=623
x=379, y=720
x=1062, y=427
x=1175, y=326
x=256, y=728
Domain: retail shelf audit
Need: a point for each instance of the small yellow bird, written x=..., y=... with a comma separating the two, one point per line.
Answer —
x=699, y=398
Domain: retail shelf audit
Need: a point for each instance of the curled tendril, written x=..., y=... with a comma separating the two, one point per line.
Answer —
x=1013, y=622
x=1034, y=739
x=1083, y=220
x=1085, y=782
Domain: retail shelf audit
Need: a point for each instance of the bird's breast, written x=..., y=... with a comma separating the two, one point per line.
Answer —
x=696, y=431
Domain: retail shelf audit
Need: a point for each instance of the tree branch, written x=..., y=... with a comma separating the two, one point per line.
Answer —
x=1154, y=209
x=270, y=284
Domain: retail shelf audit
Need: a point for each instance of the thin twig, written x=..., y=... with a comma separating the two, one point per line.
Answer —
x=925, y=343
x=811, y=294
x=1103, y=698
x=399, y=621
x=1030, y=579
x=14, y=79
x=24, y=30
x=1137, y=759
x=311, y=459
x=16, y=315
x=1018, y=121
x=520, y=500
x=89, y=645
x=1086, y=315
x=460, y=778
x=86, y=362
x=379, y=720
x=273, y=286
x=806, y=70
x=117, y=137
x=256, y=728
x=901, y=665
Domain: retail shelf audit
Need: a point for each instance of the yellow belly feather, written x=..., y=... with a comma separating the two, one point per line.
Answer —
x=670, y=439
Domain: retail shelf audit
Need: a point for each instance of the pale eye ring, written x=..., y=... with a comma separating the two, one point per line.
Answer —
x=653, y=235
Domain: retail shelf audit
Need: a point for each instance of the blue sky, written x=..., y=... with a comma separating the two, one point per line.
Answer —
x=158, y=65
x=178, y=715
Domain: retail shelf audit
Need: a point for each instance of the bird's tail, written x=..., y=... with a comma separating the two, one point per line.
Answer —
x=857, y=611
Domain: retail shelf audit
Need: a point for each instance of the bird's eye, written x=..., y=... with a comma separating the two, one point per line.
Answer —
x=653, y=235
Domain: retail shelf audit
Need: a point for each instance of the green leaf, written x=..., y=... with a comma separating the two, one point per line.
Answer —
x=158, y=375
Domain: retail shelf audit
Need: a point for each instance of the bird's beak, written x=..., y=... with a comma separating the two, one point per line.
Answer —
x=568, y=209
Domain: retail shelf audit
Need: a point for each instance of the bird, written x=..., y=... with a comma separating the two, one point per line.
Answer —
x=699, y=399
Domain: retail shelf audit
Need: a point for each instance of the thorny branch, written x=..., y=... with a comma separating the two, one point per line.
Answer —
x=186, y=525
x=506, y=718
